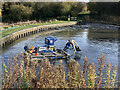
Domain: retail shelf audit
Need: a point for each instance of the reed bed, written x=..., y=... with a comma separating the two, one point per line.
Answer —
x=24, y=73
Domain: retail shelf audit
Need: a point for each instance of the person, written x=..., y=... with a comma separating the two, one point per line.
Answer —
x=48, y=47
x=26, y=48
x=31, y=49
x=69, y=43
x=51, y=48
x=36, y=50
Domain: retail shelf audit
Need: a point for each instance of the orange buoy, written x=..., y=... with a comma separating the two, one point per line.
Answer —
x=36, y=54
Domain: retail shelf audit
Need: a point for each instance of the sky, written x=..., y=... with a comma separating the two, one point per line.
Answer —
x=74, y=0
x=61, y=0
x=82, y=0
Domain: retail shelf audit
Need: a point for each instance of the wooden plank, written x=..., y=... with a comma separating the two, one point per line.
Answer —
x=66, y=53
x=36, y=59
x=58, y=54
x=37, y=56
x=47, y=54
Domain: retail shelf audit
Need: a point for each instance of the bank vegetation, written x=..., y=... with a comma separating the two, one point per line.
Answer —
x=21, y=72
x=23, y=11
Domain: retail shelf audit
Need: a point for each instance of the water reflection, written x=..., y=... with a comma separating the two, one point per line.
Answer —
x=103, y=34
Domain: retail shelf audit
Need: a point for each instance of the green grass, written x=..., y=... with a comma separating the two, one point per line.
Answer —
x=9, y=31
x=85, y=12
x=48, y=23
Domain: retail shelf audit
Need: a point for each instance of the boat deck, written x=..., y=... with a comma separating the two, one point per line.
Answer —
x=50, y=56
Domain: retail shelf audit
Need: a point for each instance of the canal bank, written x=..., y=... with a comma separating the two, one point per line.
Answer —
x=6, y=40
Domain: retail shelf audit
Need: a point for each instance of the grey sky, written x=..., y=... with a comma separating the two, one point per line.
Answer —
x=60, y=0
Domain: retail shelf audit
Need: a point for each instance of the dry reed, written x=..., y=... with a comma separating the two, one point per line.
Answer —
x=25, y=73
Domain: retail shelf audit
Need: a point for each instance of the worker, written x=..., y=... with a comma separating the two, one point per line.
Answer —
x=69, y=43
x=36, y=49
x=51, y=48
x=54, y=49
x=48, y=47
x=26, y=48
x=31, y=49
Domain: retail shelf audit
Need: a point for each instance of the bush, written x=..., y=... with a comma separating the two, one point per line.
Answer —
x=24, y=73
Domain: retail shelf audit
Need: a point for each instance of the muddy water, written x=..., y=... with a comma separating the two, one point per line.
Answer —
x=93, y=40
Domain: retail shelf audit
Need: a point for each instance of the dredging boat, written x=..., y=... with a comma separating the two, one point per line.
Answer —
x=48, y=50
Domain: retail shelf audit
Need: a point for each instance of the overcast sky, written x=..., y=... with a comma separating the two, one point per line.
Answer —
x=60, y=0
x=82, y=0
x=74, y=0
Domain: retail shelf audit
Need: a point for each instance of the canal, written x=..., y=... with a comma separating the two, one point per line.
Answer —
x=93, y=40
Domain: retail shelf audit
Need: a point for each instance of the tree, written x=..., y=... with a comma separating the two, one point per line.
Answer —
x=77, y=7
x=104, y=8
x=66, y=7
x=20, y=12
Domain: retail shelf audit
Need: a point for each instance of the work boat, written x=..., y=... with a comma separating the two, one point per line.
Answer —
x=48, y=51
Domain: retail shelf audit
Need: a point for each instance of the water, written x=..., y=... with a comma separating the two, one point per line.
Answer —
x=93, y=40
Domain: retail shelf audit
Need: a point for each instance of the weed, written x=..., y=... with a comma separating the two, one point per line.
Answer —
x=25, y=73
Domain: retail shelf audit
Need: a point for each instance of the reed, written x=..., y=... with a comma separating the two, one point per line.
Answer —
x=107, y=78
x=91, y=75
x=101, y=61
x=24, y=73
x=113, y=76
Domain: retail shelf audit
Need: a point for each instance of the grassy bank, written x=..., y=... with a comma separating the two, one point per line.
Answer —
x=10, y=30
x=24, y=73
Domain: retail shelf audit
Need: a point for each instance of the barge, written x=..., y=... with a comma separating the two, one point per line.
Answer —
x=48, y=51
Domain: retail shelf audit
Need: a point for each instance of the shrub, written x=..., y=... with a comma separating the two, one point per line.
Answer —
x=24, y=73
